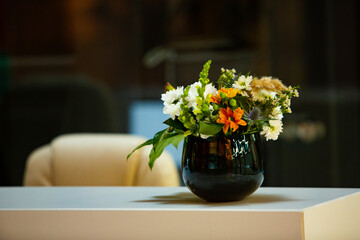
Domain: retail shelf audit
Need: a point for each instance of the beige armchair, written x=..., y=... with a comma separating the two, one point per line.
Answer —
x=97, y=160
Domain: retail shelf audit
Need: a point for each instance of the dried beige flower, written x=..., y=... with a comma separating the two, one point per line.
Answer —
x=268, y=83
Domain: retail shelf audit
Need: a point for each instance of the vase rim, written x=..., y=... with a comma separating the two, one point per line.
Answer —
x=224, y=136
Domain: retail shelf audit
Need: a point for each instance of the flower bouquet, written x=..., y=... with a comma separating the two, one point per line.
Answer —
x=221, y=124
x=236, y=105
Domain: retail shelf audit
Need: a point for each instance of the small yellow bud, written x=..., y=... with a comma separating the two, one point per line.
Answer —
x=168, y=87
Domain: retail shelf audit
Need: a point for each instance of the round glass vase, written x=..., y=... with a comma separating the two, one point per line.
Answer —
x=223, y=168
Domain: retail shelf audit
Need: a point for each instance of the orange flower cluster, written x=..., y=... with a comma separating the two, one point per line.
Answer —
x=231, y=118
x=229, y=93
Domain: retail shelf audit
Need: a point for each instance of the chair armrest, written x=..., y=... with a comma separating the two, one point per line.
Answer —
x=38, y=168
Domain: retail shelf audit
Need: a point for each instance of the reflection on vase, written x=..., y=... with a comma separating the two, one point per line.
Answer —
x=223, y=168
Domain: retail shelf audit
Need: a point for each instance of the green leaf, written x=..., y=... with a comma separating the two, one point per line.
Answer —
x=148, y=142
x=153, y=141
x=209, y=128
x=174, y=123
x=179, y=131
x=187, y=133
x=177, y=139
x=242, y=101
x=158, y=136
x=167, y=138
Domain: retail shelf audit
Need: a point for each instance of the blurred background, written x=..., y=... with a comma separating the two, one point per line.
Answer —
x=101, y=65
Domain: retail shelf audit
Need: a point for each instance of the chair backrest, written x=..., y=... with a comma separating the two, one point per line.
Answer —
x=37, y=109
x=97, y=160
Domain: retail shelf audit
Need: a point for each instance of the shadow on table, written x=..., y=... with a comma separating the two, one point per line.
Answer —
x=190, y=198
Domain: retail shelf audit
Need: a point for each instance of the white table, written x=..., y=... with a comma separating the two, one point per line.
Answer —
x=175, y=213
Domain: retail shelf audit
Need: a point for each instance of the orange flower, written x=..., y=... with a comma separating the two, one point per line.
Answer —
x=216, y=99
x=231, y=118
x=230, y=92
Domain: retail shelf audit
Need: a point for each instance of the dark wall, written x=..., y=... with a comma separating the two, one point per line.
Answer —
x=134, y=47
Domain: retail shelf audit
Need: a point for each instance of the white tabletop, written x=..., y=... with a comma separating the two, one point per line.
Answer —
x=160, y=198
x=175, y=213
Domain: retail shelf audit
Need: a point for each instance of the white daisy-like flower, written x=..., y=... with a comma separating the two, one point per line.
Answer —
x=243, y=83
x=172, y=101
x=276, y=113
x=209, y=89
x=272, y=132
x=173, y=95
x=263, y=94
x=172, y=109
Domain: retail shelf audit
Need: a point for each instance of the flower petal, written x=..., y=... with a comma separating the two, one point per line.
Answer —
x=226, y=127
x=233, y=126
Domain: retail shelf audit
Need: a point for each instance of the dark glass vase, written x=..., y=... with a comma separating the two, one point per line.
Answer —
x=222, y=169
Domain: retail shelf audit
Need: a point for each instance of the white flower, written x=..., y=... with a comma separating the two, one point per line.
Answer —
x=296, y=93
x=276, y=113
x=263, y=94
x=272, y=131
x=172, y=109
x=173, y=95
x=209, y=89
x=287, y=102
x=193, y=94
x=243, y=83
x=172, y=101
